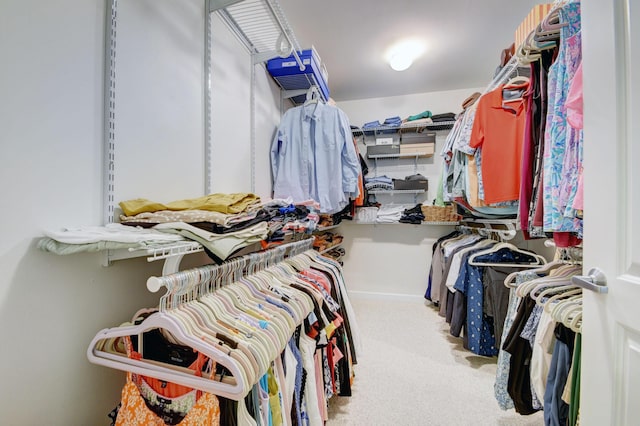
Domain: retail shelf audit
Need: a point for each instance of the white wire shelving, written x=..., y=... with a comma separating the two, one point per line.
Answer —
x=171, y=253
x=405, y=128
x=397, y=191
x=262, y=27
x=405, y=224
x=328, y=249
x=326, y=228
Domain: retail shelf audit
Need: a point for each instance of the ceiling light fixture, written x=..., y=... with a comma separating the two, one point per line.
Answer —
x=401, y=55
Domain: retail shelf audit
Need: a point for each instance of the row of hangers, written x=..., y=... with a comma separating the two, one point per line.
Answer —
x=223, y=312
x=544, y=37
x=554, y=290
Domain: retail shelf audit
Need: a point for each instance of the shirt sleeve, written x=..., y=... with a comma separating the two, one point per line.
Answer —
x=350, y=161
x=278, y=149
x=477, y=132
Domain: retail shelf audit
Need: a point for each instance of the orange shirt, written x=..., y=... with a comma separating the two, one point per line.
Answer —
x=499, y=132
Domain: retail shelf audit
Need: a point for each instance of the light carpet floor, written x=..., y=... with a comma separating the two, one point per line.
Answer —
x=412, y=372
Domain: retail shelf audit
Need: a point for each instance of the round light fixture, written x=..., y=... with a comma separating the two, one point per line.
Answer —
x=401, y=55
x=400, y=61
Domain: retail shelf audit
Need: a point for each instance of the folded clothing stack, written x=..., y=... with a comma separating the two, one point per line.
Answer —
x=422, y=116
x=392, y=121
x=389, y=125
x=439, y=118
x=413, y=215
x=389, y=213
x=413, y=182
x=371, y=125
x=379, y=182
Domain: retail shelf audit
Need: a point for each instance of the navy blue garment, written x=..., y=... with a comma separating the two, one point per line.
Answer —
x=393, y=121
x=478, y=331
x=556, y=411
x=479, y=326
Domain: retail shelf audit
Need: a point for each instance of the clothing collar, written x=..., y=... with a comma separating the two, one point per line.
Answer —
x=312, y=111
x=495, y=98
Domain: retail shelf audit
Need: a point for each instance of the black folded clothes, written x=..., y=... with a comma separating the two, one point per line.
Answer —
x=413, y=215
x=439, y=118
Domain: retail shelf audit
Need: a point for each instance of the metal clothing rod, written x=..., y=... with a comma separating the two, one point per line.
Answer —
x=194, y=276
x=503, y=75
x=505, y=229
x=504, y=234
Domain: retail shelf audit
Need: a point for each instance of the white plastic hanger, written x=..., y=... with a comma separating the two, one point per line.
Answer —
x=561, y=276
x=313, y=96
x=509, y=281
x=233, y=388
x=540, y=260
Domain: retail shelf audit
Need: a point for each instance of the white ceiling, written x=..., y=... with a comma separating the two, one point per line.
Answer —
x=464, y=37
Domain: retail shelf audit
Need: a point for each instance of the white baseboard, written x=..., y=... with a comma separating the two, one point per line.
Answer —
x=364, y=295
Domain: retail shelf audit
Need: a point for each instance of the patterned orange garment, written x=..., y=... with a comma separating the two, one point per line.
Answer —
x=134, y=411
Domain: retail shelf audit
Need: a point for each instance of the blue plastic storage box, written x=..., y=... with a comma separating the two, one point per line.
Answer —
x=288, y=75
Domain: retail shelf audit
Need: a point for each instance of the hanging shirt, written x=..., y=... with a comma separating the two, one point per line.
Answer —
x=499, y=132
x=313, y=156
x=562, y=144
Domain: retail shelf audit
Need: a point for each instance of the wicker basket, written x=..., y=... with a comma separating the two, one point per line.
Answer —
x=440, y=214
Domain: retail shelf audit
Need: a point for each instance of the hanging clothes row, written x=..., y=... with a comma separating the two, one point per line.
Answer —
x=539, y=362
x=314, y=156
x=517, y=151
x=465, y=282
x=262, y=340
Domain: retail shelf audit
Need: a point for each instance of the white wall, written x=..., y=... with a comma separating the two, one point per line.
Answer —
x=159, y=100
x=388, y=260
x=230, y=112
x=51, y=112
x=267, y=114
x=231, y=116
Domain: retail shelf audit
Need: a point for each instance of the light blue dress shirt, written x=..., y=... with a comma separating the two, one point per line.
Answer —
x=313, y=157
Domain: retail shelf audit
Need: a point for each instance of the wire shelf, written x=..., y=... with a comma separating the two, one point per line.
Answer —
x=405, y=155
x=326, y=228
x=156, y=252
x=405, y=224
x=263, y=28
x=445, y=125
x=180, y=249
x=397, y=191
x=328, y=249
